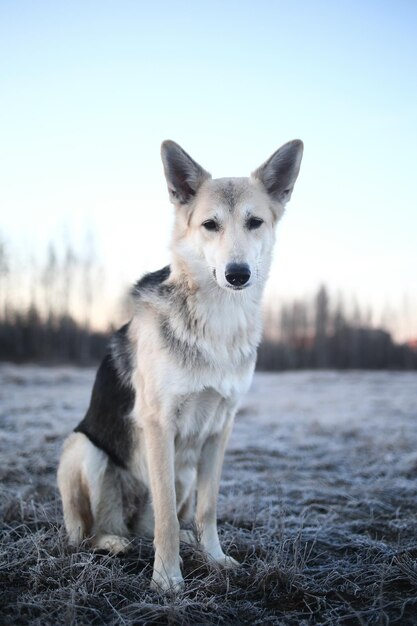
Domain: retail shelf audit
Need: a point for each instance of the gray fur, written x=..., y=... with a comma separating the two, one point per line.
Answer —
x=186, y=351
x=184, y=175
x=122, y=353
x=229, y=191
x=279, y=173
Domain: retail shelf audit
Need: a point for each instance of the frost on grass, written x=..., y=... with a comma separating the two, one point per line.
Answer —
x=318, y=501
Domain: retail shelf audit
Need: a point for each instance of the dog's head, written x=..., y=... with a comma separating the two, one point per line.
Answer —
x=225, y=227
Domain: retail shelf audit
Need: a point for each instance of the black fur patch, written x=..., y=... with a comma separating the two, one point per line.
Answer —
x=106, y=423
x=151, y=281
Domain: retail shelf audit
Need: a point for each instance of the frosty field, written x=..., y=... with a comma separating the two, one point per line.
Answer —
x=318, y=502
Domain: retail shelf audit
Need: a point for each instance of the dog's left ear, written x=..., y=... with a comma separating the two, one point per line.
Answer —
x=184, y=175
x=279, y=173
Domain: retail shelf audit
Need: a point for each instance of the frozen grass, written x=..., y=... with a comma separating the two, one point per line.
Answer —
x=318, y=501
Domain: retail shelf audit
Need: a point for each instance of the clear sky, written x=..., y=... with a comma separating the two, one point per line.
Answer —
x=89, y=89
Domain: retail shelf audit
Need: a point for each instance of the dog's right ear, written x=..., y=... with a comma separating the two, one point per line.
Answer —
x=184, y=175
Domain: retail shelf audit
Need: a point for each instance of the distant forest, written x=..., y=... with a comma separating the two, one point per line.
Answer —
x=309, y=333
x=315, y=333
x=38, y=303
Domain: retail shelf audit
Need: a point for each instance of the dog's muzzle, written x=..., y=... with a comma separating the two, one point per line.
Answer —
x=237, y=274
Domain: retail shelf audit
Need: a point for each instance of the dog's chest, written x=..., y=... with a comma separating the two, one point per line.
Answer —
x=201, y=414
x=215, y=340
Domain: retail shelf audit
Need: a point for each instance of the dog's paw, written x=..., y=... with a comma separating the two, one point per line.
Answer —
x=112, y=543
x=224, y=562
x=162, y=583
x=75, y=538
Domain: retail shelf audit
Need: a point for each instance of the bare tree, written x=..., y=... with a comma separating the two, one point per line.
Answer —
x=69, y=269
x=4, y=270
x=322, y=321
x=49, y=283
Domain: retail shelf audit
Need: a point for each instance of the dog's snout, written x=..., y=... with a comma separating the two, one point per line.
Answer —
x=237, y=274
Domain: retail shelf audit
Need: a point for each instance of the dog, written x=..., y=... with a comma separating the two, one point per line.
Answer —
x=147, y=457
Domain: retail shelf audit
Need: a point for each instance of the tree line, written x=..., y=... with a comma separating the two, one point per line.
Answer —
x=48, y=318
x=318, y=334
x=46, y=310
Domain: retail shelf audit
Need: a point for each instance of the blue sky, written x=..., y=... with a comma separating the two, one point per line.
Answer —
x=88, y=90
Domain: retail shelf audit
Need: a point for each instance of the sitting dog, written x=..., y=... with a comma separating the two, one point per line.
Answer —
x=147, y=457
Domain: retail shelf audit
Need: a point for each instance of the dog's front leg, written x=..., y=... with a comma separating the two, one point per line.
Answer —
x=159, y=442
x=208, y=481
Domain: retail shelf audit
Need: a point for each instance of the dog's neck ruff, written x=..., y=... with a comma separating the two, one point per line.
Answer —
x=211, y=326
x=202, y=324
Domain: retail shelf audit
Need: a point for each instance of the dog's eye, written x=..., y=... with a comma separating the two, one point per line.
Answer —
x=254, y=222
x=210, y=225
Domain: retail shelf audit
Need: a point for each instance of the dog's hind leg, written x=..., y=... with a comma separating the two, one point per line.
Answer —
x=186, y=507
x=78, y=517
x=92, y=496
x=109, y=530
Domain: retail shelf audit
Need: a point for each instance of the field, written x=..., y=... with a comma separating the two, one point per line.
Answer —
x=318, y=502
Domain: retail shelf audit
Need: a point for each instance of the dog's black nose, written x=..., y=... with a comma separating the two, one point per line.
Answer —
x=237, y=274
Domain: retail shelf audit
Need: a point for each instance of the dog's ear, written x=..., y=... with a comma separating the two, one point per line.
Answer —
x=184, y=176
x=279, y=173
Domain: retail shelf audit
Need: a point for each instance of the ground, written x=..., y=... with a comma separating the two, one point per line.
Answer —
x=318, y=502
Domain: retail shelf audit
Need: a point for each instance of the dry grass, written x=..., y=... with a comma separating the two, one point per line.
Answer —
x=321, y=513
